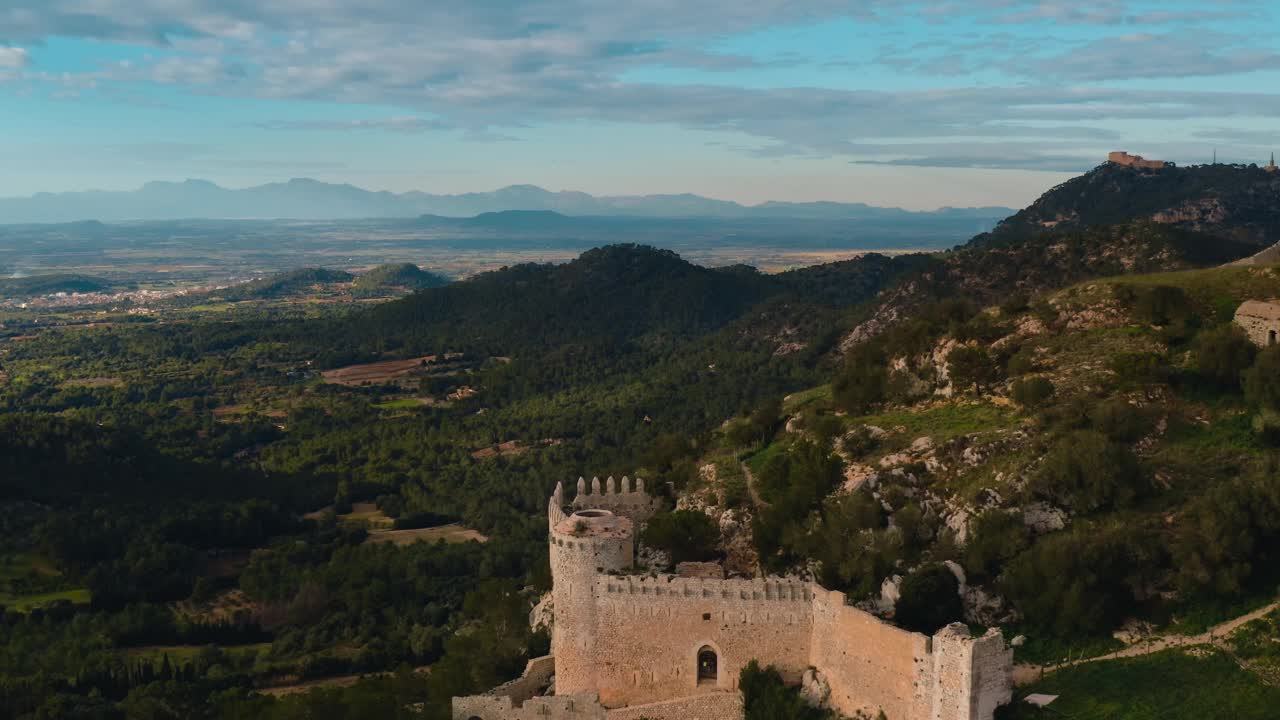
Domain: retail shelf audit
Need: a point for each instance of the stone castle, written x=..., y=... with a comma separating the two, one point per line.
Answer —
x=1120, y=157
x=629, y=646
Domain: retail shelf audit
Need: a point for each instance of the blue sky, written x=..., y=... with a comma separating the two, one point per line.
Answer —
x=914, y=104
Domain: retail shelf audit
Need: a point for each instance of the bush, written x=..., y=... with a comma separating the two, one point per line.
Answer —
x=1032, y=392
x=1120, y=420
x=766, y=697
x=1022, y=362
x=1222, y=354
x=1087, y=471
x=1015, y=304
x=971, y=367
x=1262, y=380
x=995, y=538
x=862, y=382
x=684, y=535
x=1162, y=305
x=1138, y=367
x=855, y=548
x=1082, y=581
x=1229, y=536
x=929, y=599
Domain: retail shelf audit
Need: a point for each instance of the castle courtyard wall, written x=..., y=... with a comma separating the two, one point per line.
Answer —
x=649, y=631
x=870, y=666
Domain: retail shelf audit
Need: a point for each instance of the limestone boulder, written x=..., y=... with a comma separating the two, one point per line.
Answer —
x=887, y=600
x=1041, y=517
x=814, y=688
x=543, y=614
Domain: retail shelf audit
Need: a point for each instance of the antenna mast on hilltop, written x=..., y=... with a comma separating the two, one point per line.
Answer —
x=1215, y=156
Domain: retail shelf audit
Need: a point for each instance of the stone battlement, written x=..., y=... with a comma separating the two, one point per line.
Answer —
x=674, y=586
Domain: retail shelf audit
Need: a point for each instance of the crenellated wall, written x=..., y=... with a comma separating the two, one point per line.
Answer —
x=619, y=498
x=667, y=619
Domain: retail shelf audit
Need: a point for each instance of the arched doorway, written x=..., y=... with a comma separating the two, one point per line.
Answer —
x=708, y=666
x=1271, y=338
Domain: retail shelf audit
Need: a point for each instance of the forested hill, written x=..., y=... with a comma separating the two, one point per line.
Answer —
x=614, y=294
x=1112, y=220
x=287, y=283
x=1224, y=201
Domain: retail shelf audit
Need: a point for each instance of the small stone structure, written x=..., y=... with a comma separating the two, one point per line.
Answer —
x=1260, y=321
x=1120, y=157
x=662, y=647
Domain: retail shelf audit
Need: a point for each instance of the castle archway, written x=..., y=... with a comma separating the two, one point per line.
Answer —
x=708, y=666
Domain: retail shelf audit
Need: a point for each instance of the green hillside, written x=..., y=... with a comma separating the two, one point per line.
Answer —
x=397, y=277
x=49, y=284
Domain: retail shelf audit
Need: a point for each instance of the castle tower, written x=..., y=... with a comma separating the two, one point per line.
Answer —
x=1271, y=167
x=583, y=545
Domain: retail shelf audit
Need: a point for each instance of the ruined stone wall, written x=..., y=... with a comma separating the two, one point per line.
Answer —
x=649, y=631
x=991, y=674
x=1260, y=321
x=871, y=666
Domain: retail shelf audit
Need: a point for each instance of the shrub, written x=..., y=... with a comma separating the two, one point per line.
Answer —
x=1120, y=420
x=971, y=367
x=1262, y=380
x=1222, y=354
x=1162, y=305
x=1087, y=471
x=861, y=384
x=982, y=328
x=1032, y=392
x=929, y=599
x=1229, y=536
x=684, y=535
x=995, y=538
x=1082, y=581
x=766, y=697
x=1015, y=304
x=1138, y=367
x=1022, y=362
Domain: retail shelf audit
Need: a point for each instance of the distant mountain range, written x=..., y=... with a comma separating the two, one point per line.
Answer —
x=305, y=199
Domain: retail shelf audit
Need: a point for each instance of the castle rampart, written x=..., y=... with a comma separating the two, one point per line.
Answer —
x=668, y=644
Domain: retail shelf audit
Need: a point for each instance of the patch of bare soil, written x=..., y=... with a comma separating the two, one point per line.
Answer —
x=452, y=533
x=380, y=373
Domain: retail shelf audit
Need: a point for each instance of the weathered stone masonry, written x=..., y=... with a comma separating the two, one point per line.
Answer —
x=637, y=642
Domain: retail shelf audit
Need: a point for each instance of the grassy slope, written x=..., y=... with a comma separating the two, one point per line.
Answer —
x=1171, y=685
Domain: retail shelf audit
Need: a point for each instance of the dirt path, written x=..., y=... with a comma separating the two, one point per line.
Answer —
x=756, y=501
x=1025, y=673
x=340, y=681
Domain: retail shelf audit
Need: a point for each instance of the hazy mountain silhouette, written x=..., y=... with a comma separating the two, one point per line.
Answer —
x=314, y=200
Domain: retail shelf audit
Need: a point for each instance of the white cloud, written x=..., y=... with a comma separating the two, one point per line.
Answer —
x=489, y=65
x=13, y=58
